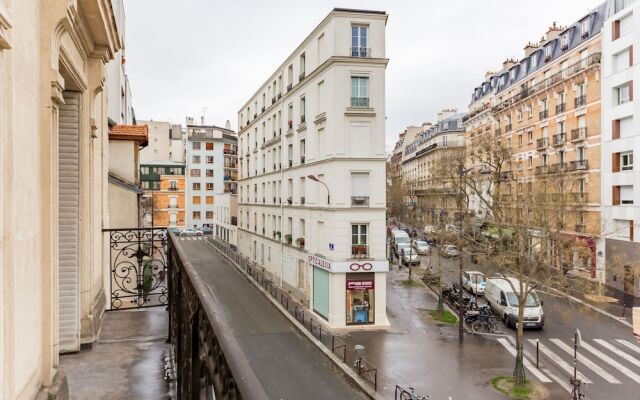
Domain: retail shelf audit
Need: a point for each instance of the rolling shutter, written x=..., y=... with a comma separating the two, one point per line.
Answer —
x=68, y=223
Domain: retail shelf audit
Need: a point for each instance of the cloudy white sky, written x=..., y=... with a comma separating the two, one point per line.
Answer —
x=186, y=55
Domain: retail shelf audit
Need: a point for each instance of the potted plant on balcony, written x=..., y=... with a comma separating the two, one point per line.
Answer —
x=359, y=250
x=277, y=233
x=287, y=238
x=300, y=242
x=290, y=124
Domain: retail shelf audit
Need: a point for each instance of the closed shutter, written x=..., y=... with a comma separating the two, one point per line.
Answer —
x=68, y=223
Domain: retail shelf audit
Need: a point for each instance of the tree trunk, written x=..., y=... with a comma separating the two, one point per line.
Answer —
x=519, y=372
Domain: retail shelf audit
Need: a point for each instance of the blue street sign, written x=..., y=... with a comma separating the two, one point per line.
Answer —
x=331, y=246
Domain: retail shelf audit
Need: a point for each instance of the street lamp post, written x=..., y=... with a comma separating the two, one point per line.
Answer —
x=315, y=179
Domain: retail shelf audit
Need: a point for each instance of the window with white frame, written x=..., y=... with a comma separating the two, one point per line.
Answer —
x=622, y=94
x=626, y=161
x=359, y=41
x=547, y=51
x=360, y=188
x=625, y=25
x=359, y=91
x=564, y=41
x=626, y=194
x=626, y=127
x=621, y=61
x=585, y=26
x=359, y=238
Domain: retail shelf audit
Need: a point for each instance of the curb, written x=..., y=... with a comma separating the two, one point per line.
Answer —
x=362, y=385
x=594, y=308
x=452, y=311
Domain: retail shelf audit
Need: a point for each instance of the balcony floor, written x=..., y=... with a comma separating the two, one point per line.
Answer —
x=127, y=361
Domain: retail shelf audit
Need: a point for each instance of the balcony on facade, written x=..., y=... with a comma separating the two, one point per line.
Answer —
x=360, y=201
x=360, y=102
x=544, y=114
x=507, y=128
x=580, y=101
x=578, y=134
x=360, y=52
x=563, y=75
x=541, y=169
x=560, y=108
x=542, y=144
x=559, y=139
x=581, y=228
x=558, y=167
x=578, y=165
x=506, y=175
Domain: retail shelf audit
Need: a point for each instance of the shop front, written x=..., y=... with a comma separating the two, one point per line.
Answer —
x=349, y=293
x=360, y=298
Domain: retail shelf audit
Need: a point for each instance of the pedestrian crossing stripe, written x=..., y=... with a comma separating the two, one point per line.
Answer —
x=583, y=360
x=611, y=362
x=560, y=362
x=542, y=377
x=629, y=345
x=617, y=351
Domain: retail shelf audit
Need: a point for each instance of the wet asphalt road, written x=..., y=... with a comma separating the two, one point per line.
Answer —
x=609, y=358
x=286, y=363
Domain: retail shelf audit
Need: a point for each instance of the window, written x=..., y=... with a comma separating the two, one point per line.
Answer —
x=622, y=27
x=195, y=145
x=302, y=65
x=209, y=215
x=290, y=77
x=533, y=61
x=520, y=141
x=195, y=172
x=209, y=145
x=622, y=4
x=512, y=74
x=626, y=194
x=302, y=110
x=626, y=161
x=144, y=170
x=209, y=159
x=196, y=215
x=359, y=239
x=321, y=106
x=622, y=60
x=209, y=186
x=585, y=26
x=530, y=137
x=196, y=200
x=564, y=41
x=195, y=159
x=209, y=199
x=359, y=91
x=302, y=151
x=622, y=128
x=623, y=93
x=359, y=41
x=622, y=228
x=547, y=52
x=209, y=172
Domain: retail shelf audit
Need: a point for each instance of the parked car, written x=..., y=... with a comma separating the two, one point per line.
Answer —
x=207, y=231
x=422, y=247
x=504, y=302
x=429, y=229
x=449, y=250
x=399, y=249
x=399, y=237
x=176, y=231
x=190, y=232
x=410, y=256
x=474, y=282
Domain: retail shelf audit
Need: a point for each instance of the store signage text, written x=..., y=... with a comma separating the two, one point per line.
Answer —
x=359, y=285
x=319, y=262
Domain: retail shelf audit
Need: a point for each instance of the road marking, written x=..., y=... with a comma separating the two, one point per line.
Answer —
x=583, y=360
x=561, y=363
x=617, y=351
x=629, y=345
x=542, y=377
x=564, y=383
x=612, y=362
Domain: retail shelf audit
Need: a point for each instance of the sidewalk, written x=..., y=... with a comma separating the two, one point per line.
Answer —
x=426, y=355
x=127, y=361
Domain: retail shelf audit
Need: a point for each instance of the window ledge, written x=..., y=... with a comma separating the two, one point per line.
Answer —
x=302, y=127
x=360, y=111
x=289, y=133
x=320, y=118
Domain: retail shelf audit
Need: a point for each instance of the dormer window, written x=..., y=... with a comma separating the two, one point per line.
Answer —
x=533, y=61
x=512, y=74
x=564, y=41
x=547, y=52
x=584, y=27
x=504, y=79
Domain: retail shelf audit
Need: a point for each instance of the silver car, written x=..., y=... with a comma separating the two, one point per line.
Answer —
x=449, y=250
x=422, y=247
x=190, y=232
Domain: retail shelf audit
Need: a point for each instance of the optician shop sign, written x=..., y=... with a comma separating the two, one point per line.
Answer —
x=348, y=266
x=359, y=285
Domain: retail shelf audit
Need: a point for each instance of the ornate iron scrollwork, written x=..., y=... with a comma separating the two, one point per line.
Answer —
x=138, y=265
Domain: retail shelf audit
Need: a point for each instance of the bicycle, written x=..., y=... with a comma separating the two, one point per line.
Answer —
x=577, y=392
x=486, y=323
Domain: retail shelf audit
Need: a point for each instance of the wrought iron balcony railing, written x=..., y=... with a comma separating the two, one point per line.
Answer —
x=359, y=251
x=360, y=52
x=578, y=134
x=360, y=201
x=559, y=139
x=542, y=144
x=360, y=102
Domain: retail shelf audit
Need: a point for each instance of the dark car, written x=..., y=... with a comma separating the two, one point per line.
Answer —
x=207, y=230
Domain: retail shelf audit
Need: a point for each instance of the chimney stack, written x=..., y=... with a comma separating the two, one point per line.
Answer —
x=228, y=125
x=530, y=48
x=488, y=74
x=508, y=63
x=554, y=30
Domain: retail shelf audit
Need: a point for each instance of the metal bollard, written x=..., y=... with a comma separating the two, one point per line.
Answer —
x=537, y=353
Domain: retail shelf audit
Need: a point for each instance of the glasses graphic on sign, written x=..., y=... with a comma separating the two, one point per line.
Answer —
x=364, y=267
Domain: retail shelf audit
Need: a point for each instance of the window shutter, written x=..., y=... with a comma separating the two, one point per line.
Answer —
x=615, y=129
x=615, y=30
x=616, y=196
x=631, y=56
x=630, y=86
x=631, y=230
x=615, y=162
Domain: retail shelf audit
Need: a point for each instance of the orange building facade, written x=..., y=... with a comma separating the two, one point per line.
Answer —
x=168, y=202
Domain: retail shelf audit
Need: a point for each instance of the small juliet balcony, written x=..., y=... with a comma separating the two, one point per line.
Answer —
x=360, y=102
x=559, y=139
x=360, y=201
x=579, y=134
x=580, y=101
x=578, y=165
x=542, y=144
x=560, y=108
x=544, y=114
x=360, y=52
x=359, y=251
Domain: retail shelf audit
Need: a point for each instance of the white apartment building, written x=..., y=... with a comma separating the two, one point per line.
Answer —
x=211, y=169
x=226, y=218
x=166, y=143
x=312, y=160
x=620, y=145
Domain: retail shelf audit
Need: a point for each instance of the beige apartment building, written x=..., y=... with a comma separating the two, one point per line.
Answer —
x=53, y=205
x=166, y=142
x=430, y=193
x=546, y=112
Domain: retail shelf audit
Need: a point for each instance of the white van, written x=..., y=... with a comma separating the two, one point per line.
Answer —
x=504, y=303
x=398, y=236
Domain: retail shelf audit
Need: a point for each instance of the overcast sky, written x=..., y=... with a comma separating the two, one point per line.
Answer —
x=183, y=56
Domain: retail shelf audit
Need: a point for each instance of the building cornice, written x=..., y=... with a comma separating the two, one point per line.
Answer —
x=314, y=208
x=317, y=162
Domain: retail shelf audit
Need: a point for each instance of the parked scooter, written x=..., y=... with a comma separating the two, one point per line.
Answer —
x=470, y=316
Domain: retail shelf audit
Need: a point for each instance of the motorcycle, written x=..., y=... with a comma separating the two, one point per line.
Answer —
x=470, y=316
